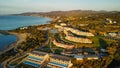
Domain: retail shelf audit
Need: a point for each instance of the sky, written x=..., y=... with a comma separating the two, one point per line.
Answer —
x=21, y=6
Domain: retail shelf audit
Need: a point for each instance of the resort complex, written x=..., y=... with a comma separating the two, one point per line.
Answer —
x=73, y=30
x=71, y=39
x=76, y=39
x=38, y=59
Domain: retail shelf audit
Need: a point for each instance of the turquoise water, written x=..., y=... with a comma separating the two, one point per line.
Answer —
x=10, y=22
x=63, y=65
x=13, y=22
x=31, y=63
x=34, y=64
x=34, y=58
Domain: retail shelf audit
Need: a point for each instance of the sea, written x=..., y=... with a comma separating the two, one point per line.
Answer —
x=11, y=22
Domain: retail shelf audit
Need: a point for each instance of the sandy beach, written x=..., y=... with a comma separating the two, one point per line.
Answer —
x=20, y=38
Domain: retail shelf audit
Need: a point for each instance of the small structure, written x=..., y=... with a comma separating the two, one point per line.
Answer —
x=110, y=21
x=91, y=57
x=112, y=34
x=59, y=20
x=22, y=28
x=63, y=24
x=79, y=57
x=67, y=52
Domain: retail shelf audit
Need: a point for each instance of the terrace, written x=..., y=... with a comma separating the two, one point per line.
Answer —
x=63, y=45
x=76, y=38
x=75, y=31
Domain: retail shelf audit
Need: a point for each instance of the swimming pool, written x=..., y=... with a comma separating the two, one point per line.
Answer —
x=63, y=65
x=35, y=58
x=31, y=63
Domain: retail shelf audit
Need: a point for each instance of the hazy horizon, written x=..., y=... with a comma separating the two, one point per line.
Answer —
x=21, y=6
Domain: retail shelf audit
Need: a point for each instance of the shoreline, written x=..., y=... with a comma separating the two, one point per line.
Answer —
x=20, y=38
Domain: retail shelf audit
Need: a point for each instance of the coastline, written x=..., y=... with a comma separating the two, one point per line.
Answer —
x=20, y=38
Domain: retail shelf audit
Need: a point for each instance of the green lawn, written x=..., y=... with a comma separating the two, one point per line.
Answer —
x=99, y=41
x=95, y=40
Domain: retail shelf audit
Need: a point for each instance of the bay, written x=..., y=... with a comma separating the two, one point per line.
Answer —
x=10, y=22
x=6, y=40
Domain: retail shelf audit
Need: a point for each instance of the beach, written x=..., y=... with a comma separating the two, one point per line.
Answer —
x=20, y=38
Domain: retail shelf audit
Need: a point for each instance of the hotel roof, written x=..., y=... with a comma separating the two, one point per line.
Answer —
x=55, y=56
x=39, y=53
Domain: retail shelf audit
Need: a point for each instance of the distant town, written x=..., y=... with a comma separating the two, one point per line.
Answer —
x=73, y=39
